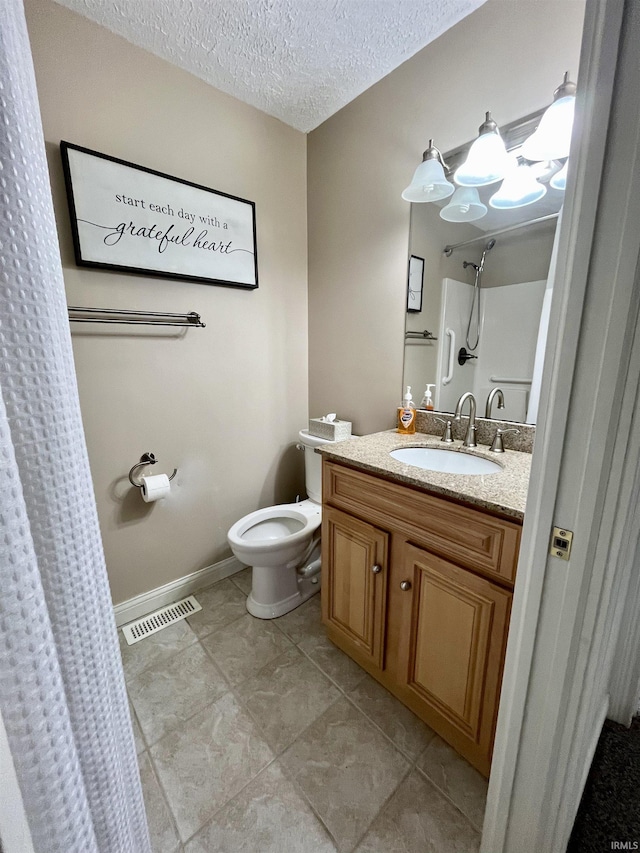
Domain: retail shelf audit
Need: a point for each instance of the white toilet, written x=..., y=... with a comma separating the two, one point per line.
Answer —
x=282, y=543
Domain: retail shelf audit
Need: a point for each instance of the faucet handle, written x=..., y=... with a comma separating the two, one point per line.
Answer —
x=498, y=445
x=447, y=436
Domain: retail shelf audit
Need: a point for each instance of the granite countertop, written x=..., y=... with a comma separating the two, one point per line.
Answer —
x=504, y=492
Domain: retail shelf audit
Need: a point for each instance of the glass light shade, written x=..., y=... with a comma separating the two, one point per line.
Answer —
x=486, y=162
x=559, y=180
x=543, y=169
x=429, y=183
x=465, y=206
x=552, y=139
x=518, y=189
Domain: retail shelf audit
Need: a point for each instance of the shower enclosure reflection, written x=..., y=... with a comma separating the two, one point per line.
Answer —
x=487, y=299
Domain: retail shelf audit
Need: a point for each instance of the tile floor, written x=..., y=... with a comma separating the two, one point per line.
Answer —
x=264, y=737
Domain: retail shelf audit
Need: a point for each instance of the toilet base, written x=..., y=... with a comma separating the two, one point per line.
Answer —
x=306, y=587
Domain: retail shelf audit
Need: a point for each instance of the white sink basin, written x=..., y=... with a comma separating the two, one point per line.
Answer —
x=445, y=461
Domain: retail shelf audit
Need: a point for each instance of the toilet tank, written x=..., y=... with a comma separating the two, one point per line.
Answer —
x=312, y=464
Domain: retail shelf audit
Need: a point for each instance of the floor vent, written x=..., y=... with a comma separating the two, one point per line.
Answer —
x=141, y=628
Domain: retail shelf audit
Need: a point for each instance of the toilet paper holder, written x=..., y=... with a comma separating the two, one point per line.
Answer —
x=146, y=459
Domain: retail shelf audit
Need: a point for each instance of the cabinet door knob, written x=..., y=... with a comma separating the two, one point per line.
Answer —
x=376, y=569
x=405, y=585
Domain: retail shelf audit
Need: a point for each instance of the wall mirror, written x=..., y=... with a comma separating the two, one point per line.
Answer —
x=488, y=297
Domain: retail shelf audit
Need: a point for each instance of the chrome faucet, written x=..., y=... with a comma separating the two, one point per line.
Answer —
x=447, y=437
x=470, y=437
x=498, y=444
x=497, y=392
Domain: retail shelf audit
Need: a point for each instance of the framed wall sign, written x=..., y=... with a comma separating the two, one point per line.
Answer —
x=414, y=286
x=132, y=219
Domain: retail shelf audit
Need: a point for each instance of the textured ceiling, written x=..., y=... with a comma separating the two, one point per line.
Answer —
x=298, y=60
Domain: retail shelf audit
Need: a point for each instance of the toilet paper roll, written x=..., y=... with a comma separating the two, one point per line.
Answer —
x=155, y=488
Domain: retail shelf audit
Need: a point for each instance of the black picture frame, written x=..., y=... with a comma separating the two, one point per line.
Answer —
x=415, y=283
x=198, y=251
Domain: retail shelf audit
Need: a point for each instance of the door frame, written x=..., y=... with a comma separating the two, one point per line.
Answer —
x=556, y=684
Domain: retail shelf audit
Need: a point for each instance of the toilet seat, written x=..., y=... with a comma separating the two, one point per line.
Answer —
x=277, y=533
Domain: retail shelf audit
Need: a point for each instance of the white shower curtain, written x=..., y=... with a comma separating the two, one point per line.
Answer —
x=62, y=694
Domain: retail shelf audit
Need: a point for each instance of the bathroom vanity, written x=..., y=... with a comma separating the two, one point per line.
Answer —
x=418, y=570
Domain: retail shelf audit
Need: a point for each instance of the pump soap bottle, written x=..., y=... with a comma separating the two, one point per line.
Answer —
x=427, y=402
x=407, y=414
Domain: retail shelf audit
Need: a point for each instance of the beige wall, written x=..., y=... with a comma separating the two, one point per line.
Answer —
x=508, y=57
x=223, y=404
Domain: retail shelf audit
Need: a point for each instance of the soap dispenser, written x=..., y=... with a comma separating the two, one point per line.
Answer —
x=407, y=414
x=427, y=402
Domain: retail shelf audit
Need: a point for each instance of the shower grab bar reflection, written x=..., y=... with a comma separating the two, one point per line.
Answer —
x=452, y=351
x=484, y=237
x=510, y=380
x=426, y=335
x=139, y=318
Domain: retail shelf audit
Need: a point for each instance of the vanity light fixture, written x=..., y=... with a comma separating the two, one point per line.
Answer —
x=487, y=160
x=518, y=189
x=552, y=138
x=559, y=180
x=493, y=157
x=429, y=182
x=543, y=170
x=465, y=206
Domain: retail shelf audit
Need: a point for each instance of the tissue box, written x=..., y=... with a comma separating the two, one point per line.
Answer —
x=333, y=430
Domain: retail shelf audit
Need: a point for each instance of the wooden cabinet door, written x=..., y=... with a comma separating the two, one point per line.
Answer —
x=354, y=584
x=451, y=650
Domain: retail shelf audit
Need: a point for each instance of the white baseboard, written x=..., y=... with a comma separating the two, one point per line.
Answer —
x=147, y=602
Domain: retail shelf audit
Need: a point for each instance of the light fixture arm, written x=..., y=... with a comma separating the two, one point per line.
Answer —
x=433, y=153
x=488, y=125
x=566, y=89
